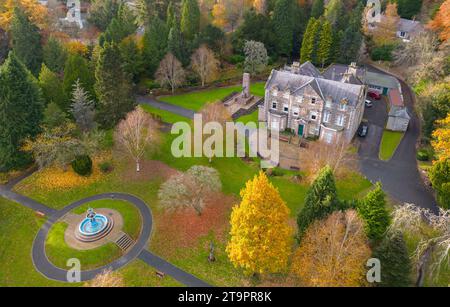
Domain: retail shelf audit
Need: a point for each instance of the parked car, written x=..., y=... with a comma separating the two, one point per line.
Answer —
x=363, y=129
x=374, y=95
x=369, y=103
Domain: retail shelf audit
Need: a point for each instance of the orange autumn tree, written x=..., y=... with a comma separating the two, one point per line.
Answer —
x=441, y=21
x=38, y=13
x=333, y=252
x=261, y=237
x=441, y=139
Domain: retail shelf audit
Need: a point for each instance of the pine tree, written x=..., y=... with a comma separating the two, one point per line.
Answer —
x=283, y=25
x=26, y=41
x=325, y=44
x=171, y=17
x=53, y=116
x=21, y=110
x=82, y=108
x=4, y=45
x=321, y=199
x=121, y=25
x=77, y=68
x=307, y=52
x=190, y=19
x=334, y=13
x=52, y=88
x=131, y=58
x=395, y=263
x=155, y=45
x=112, y=86
x=318, y=8
x=175, y=44
x=260, y=233
x=373, y=210
x=55, y=55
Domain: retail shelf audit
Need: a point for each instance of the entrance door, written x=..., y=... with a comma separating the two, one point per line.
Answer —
x=301, y=129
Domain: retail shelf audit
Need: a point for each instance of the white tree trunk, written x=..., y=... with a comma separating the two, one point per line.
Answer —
x=138, y=166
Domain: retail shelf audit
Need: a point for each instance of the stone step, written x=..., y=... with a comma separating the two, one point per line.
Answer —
x=124, y=241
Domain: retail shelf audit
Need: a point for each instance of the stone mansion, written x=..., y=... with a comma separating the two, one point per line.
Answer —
x=327, y=106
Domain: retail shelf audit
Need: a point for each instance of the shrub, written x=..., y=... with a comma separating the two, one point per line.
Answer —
x=106, y=167
x=236, y=58
x=82, y=165
x=423, y=155
x=440, y=179
x=382, y=53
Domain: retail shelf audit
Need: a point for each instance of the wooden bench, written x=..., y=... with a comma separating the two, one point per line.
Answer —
x=160, y=274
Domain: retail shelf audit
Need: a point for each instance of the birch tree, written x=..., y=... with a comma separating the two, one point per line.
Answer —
x=170, y=72
x=135, y=133
x=205, y=64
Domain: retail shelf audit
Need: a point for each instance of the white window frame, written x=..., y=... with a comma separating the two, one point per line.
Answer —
x=340, y=120
x=295, y=111
x=326, y=117
x=342, y=107
x=286, y=106
x=274, y=105
x=328, y=104
x=313, y=114
x=313, y=100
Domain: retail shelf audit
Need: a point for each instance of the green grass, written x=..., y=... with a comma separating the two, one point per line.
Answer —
x=196, y=100
x=58, y=252
x=18, y=228
x=166, y=116
x=389, y=143
x=138, y=274
x=252, y=117
x=131, y=217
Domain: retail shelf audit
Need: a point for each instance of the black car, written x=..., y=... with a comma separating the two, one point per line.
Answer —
x=363, y=129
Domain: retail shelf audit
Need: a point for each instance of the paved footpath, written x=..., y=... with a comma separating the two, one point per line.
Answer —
x=45, y=267
x=165, y=106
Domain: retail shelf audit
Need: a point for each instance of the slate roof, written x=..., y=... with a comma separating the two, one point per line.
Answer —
x=400, y=112
x=382, y=80
x=336, y=72
x=406, y=25
x=286, y=80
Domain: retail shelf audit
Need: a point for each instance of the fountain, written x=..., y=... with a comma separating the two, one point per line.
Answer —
x=94, y=227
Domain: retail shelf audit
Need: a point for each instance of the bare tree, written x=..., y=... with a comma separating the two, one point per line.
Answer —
x=421, y=49
x=205, y=64
x=433, y=232
x=170, y=72
x=190, y=189
x=256, y=57
x=106, y=279
x=338, y=156
x=135, y=133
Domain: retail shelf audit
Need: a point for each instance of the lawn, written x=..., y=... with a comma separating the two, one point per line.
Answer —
x=196, y=100
x=249, y=118
x=389, y=144
x=234, y=172
x=165, y=116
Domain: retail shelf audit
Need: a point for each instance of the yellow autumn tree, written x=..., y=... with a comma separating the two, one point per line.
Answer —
x=37, y=12
x=441, y=139
x=385, y=31
x=261, y=237
x=333, y=252
x=219, y=15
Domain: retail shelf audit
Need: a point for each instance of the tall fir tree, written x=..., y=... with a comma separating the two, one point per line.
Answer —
x=325, y=44
x=77, y=68
x=374, y=213
x=318, y=8
x=335, y=13
x=21, y=112
x=171, y=16
x=175, y=44
x=283, y=26
x=26, y=41
x=190, y=19
x=121, y=26
x=82, y=108
x=321, y=200
x=55, y=55
x=307, y=52
x=131, y=58
x=113, y=87
x=155, y=45
x=52, y=88
x=396, y=265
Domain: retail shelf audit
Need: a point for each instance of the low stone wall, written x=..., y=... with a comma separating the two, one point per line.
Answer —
x=243, y=112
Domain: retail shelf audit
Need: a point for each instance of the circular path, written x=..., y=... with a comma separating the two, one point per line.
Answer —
x=50, y=271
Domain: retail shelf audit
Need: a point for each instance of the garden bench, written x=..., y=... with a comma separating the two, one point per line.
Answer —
x=160, y=274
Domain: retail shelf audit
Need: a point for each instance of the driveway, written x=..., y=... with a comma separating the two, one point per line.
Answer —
x=165, y=106
x=399, y=176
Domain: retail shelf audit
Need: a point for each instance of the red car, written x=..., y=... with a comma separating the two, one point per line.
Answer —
x=374, y=95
